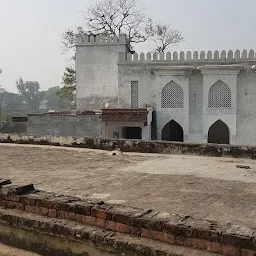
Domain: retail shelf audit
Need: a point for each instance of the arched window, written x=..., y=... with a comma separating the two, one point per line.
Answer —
x=219, y=95
x=172, y=96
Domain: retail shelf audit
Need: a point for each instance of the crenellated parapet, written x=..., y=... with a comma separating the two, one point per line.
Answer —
x=85, y=39
x=216, y=56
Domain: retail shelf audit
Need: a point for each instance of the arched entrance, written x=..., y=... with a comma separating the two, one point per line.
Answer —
x=172, y=131
x=218, y=133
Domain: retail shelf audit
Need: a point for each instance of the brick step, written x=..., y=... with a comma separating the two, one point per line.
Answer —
x=120, y=244
x=205, y=235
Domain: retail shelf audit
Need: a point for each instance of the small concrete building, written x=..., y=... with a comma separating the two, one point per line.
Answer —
x=190, y=97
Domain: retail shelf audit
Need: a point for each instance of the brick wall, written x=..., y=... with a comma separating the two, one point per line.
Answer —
x=189, y=232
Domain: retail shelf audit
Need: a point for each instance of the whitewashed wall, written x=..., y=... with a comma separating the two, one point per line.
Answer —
x=196, y=118
x=97, y=71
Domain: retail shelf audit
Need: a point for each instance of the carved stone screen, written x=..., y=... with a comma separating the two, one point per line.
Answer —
x=172, y=96
x=134, y=94
x=219, y=95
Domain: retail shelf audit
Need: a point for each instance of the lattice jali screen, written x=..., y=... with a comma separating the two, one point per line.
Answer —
x=134, y=94
x=172, y=96
x=219, y=95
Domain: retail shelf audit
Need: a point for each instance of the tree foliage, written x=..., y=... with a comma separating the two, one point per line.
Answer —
x=69, y=82
x=163, y=36
x=30, y=92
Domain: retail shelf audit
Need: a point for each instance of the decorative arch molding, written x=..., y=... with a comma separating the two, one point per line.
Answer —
x=219, y=95
x=172, y=96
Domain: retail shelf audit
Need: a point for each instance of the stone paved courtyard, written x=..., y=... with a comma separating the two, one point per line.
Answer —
x=203, y=187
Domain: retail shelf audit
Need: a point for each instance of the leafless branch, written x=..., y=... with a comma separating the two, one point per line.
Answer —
x=163, y=36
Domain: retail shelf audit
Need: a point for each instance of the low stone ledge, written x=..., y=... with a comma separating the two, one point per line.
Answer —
x=161, y=147
x=183, y=231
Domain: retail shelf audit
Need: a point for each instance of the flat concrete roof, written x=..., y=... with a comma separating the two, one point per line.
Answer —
x=217, y=189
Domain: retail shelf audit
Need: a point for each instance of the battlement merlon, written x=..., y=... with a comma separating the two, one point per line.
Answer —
x=189, y=57
x=90, y=40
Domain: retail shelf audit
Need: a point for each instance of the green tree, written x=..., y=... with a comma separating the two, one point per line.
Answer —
x=11, y=101
x=30, y=92
x=67, y=92
x=54, y=102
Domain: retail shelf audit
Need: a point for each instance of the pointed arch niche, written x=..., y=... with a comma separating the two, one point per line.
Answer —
x=218, y=133
x=172, y=131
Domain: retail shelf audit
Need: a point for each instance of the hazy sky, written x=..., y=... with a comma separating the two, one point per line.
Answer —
x=30, y=32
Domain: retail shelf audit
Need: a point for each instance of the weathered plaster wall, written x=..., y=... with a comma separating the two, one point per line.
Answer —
x=97, y=71
x=145, y=78
x=195, y=107
x=246, y=108
x=65, y=125
x=153, y=72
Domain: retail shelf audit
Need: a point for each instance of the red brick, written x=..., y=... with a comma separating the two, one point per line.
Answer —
x=35, y=209
x=146, y=233
x=111, y=225
x=71, y=216
x=13, y=198
x=213, y=247
x=14, y=205
x=90, y=220
x=62, y=214
x=52, y=213
x=44, y=211
x=102, y=212
x=100, y=222
x=160, y=236
x=135, y=231
x=230, y=250
x=80, y=218
x=122, y=228
x=28, y=208
x=245, y=252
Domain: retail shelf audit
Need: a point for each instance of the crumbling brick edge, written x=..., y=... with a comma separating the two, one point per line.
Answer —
x=185, y=231
x=161, y=147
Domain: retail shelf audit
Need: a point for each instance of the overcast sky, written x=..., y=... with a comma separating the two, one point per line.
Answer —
x=30, y=32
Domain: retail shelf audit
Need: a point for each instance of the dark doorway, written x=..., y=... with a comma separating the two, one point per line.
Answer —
x=172, y=132
x=218, y=133
x=132, y=133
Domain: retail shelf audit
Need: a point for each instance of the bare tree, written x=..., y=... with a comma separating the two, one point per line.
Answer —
x=117, y=17
x=163, y=36
x=109, y=17
x=112, y=17
x=69, y=39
